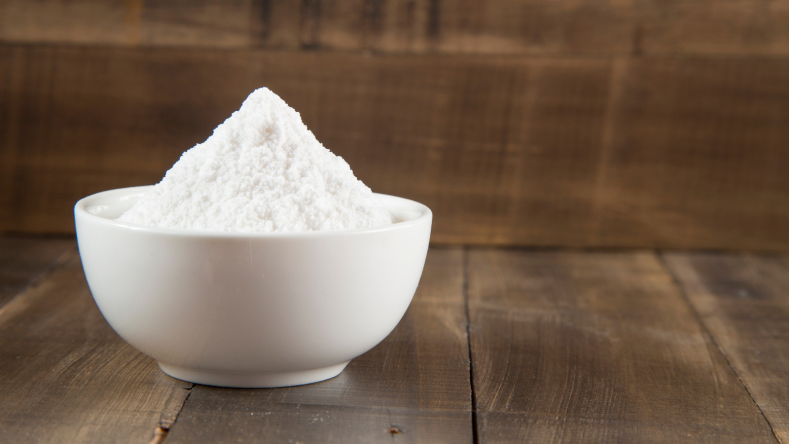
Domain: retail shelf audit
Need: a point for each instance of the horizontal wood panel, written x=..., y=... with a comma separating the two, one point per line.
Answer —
x=687, y=153
x=65, y=376
x=412, y=388
x=695, y=155
x=535, y=27
x=744, y=302
x=597, y=347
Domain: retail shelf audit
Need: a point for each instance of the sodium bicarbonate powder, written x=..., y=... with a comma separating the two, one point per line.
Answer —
x=261, y=171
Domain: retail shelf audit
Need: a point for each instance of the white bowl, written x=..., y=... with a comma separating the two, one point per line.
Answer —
x=250, y=309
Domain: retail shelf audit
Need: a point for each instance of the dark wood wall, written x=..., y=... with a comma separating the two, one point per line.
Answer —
x=619, y=123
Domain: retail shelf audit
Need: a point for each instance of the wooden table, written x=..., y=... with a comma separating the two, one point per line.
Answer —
x=499, y=346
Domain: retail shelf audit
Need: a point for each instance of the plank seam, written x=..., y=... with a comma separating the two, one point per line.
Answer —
x=163, y=428
x=708, y=333
x=474, y=430
x=251, y=48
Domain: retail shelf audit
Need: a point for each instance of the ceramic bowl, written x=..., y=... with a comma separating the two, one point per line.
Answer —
x=250, y=309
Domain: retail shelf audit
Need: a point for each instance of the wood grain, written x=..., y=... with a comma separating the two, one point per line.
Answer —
x=596, y=347
x=532, y=27
x=24, y=261
x=135, y=22
x=685, y=153
x=413, y=387
x=65, y=376
x=744, y=302
x=689, y=145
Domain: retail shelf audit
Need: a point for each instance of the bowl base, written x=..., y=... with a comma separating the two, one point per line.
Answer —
x=252, y=380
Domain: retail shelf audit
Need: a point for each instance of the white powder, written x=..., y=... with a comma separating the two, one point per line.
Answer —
x=261, y=171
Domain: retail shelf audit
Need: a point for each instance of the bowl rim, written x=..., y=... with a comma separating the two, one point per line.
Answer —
x=80, y=211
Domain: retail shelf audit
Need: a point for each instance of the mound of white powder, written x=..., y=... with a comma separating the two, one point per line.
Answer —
x=261, y=171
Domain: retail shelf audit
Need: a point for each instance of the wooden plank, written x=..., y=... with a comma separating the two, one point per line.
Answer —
x=65, y=376
x=688, y=145
x=744, y=302
x=134, y=22
x=413, y=387
x=24, y=261
x=533, y=27
x=596, y=347
x=591, y=152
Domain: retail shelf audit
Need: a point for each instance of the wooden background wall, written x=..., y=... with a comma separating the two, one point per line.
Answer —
x=621, y=123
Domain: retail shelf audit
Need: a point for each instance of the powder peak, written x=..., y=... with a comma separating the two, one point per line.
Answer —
x=262, y=170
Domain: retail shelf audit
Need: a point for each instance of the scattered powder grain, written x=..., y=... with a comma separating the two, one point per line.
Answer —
x=261, y=171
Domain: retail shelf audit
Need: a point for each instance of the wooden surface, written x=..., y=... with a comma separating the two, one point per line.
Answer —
x=597, y=347
x=23, y=261
x=744, y=302
x=65, y=376
x=631, y=152
x=518, y=27
x=565, y=347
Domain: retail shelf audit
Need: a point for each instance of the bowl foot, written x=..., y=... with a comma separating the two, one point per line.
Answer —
x=252, y=380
